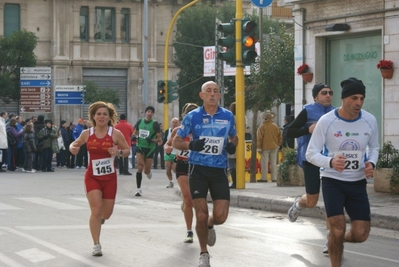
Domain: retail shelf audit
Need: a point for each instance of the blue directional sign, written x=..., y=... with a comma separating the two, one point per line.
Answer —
x=262, y=3
x=68, y=98
x=25, y=83
x=68, y=101
x=69, y=95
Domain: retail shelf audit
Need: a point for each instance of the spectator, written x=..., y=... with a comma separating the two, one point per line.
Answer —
x=63, y=144
x=159, y=150
x=70, y=158
x=269, y=139
x=3, y=140
x=13, y=137
x=29, y=147
x=76, y=133
x=48, y=135
x=37, y=127
x=127, y=130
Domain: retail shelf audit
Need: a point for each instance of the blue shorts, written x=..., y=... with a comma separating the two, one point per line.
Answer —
x=203, y=178
x=352, y=196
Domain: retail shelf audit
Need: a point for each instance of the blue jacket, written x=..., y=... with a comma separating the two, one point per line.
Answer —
x=77, y=131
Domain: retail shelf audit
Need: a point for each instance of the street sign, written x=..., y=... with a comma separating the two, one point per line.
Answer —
x=35, y=83
x=68, y=94
x=35, y=70
x=35, y=76
x=261, y=3
x=69, y=88
x=69, y=101
x=36, y=93
x=71, y=95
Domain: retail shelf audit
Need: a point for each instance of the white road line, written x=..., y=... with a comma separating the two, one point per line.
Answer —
x=51, y=203
x=8, y=207
x=35, y=255
x=105, y=226
x=8, y=261
x=62, y=251
x=117, y=206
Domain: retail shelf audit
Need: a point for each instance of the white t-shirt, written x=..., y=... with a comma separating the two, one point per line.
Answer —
x=356, y=139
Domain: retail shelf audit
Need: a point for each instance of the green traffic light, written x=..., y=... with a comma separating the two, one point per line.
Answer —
x=227, y=42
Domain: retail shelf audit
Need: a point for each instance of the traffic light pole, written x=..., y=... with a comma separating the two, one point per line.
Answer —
x=165, y=74
x=240, y=100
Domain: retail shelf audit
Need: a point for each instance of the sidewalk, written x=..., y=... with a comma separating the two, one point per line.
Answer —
x=270, y=197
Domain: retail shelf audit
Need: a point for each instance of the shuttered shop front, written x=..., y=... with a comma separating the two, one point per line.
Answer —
x=115, y=79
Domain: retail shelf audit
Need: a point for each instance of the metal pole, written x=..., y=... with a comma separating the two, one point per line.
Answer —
x=240, y=101
x=165, y=75
x=145, y=53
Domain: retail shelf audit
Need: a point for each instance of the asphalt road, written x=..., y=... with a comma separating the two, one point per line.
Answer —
x=44, y=222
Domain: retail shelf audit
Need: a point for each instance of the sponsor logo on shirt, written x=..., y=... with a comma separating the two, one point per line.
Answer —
x=338, y=134
x=206, y=120
x=221, y=121
x=351, y=134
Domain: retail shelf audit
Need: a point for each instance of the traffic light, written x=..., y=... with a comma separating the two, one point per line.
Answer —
x=227, y=42
x=248, y=41
x=161, y=91
x=173, y=88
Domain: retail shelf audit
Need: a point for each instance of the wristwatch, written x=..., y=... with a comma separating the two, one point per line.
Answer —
x=120, y=153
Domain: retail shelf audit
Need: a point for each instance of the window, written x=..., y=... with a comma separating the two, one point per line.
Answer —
x=11, y=19
x=84, y=23
x=125, y=25
x=104, y=25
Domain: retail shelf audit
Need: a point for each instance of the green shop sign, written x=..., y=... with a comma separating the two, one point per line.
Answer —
x=360, y=56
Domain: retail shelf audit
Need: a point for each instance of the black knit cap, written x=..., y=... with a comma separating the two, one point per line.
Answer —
x=352, y=86
x=150, y=108
x=317, y=88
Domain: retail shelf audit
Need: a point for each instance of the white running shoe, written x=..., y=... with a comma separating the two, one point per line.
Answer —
x=170, y=185
x=149, y=176
x=293, y=212
x=211, y=236
x=189, y=237
x=97, y=250
x=204, y=260
x=138, y=192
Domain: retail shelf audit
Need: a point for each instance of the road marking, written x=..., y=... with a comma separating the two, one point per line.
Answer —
x=84, y=261
x=105, y=226
x=8, y=207
x=117, y=206
x=52, y=204
x=8, y=261
x=35, y=255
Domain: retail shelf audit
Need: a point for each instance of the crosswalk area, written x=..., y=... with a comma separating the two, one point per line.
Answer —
x=54, y=231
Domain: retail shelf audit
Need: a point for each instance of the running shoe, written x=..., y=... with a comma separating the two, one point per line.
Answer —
x=325, y=248
x=149, y=176
x=170, y=185
x=211, y=236
x=138, y=192
x=293, y=212
x=204, y=260
x=97, y=250
x=189, y=237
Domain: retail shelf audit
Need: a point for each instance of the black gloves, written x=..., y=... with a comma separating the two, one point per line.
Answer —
x=230, y=148
x=134, y=138
x=197, y=145
x=149, y=140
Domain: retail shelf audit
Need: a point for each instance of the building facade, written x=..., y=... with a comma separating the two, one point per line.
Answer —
x=339, y=39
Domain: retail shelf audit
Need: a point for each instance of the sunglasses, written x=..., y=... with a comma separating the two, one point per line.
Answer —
x=326, y=92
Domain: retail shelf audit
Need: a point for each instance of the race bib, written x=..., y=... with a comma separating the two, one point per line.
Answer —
x=354, y=159
x=182, y=153
x=213, y=145
x=103, y=166
x=144, y=133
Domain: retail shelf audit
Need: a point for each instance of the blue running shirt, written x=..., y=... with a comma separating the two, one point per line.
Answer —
x=215, y=129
